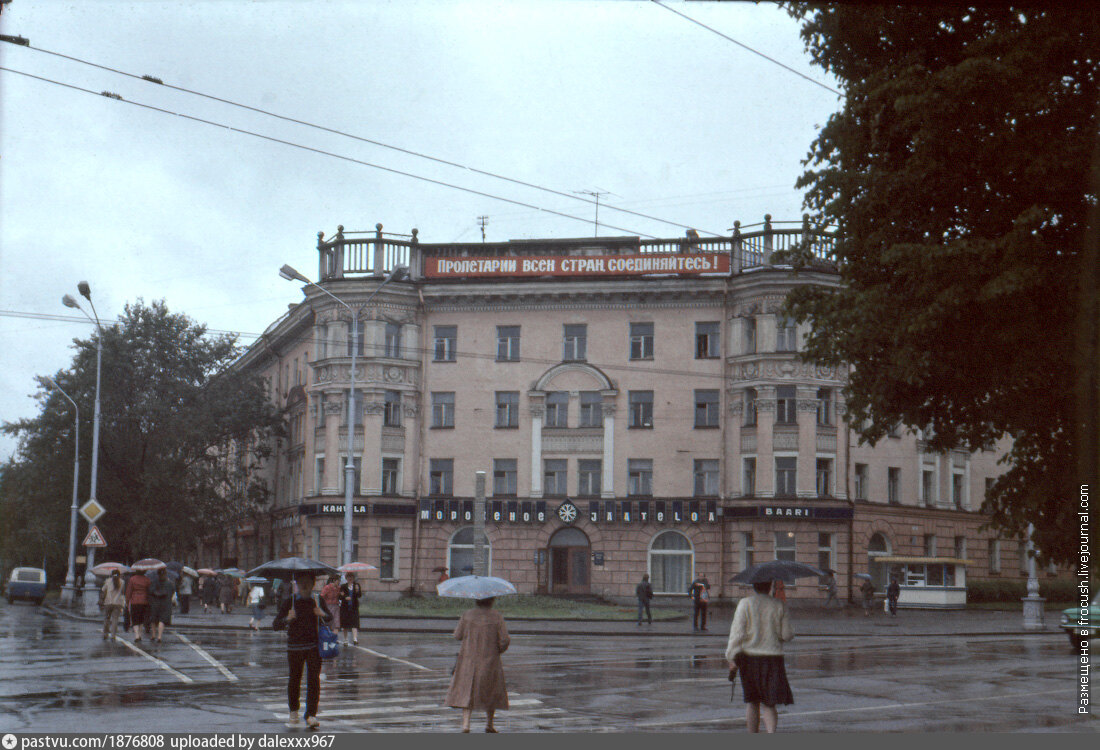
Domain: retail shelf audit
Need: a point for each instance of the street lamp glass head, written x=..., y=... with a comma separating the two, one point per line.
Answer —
x=68, y=301
x=290, y=274
x=85, y=290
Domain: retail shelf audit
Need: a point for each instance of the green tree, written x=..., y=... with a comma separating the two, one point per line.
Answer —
x=182, y=437
x=957, y=174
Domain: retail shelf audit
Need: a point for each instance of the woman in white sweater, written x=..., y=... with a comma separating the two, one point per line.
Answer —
x=760, y=628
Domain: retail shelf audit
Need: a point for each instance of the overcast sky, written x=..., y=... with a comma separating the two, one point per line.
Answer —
x=625, y=97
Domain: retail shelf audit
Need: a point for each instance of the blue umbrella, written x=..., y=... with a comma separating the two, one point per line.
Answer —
x=255, y=579
x=475, y=587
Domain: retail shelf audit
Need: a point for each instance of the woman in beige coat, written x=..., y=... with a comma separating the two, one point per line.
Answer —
x=478, y=680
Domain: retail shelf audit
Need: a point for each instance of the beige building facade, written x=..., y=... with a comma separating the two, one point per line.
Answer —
x=637, y=406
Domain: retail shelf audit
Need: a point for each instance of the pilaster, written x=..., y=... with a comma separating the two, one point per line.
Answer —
x=372, y=445
x=806, y=415
x=765, y=430
x=330, y=482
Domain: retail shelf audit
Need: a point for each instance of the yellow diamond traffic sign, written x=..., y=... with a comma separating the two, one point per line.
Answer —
x=92, y=511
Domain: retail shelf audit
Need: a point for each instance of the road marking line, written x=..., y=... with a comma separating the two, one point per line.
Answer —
x=387, y=656
x=887, y=707
x=155, y=660
x=402, y=709
x=213, y=662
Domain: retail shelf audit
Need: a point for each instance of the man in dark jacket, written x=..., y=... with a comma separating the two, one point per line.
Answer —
x=300, y=616
x=893, y=591
x=160, y=604
x=644, y=592
x=700, y=597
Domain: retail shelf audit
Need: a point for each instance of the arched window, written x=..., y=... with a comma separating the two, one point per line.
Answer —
x=877, y=546
x=671, y=563
x=460, y=553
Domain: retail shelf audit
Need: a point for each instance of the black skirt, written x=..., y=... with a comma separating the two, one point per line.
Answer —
x=764, y=680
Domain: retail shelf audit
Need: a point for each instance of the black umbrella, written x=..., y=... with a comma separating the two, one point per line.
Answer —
x=782, y=570
x=288, y=567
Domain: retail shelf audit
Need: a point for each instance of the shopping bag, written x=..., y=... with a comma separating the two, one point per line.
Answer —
x=327, y=642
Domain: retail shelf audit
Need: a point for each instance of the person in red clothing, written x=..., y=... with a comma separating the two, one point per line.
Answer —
x=137, y=601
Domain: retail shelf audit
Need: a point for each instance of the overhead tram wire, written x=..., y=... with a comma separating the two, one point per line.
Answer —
x=285, y=118
x=747, y=47
x=292, y=144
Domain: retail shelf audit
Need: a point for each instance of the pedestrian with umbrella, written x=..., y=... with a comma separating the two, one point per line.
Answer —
x=478, y=678
x=208, y=589
x=350, y=594
x=867, y=589
x=160, y=604
x=137, y=594
x=256, y=600
x=114, y=600
x=761, y=625
x=300, y=616
x=227, y=592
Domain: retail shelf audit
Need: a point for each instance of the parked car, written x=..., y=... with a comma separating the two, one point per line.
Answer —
x=1071, y=623
x=27, y=583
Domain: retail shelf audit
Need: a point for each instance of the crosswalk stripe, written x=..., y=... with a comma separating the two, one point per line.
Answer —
x=387, y=656
x=213, y=662
x=155, y=660
x=388, y=710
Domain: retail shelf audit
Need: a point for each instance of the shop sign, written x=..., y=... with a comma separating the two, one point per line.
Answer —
x=330, y=509
x=788, y=511
x=567, y=511
x=636, y=264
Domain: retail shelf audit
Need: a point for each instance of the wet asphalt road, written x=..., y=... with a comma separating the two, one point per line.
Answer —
x=58, y=675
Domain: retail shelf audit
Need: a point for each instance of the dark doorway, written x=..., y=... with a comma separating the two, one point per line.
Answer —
x=570, y=555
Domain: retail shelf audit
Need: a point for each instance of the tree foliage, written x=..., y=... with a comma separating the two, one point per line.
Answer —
x=181, y=437
x=958, y=175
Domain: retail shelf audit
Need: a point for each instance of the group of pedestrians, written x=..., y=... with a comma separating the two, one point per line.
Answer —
x=141, y=603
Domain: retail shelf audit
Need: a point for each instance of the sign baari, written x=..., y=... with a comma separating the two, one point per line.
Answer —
x=637, y=264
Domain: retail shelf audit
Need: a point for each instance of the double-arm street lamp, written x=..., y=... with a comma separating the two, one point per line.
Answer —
x=69, y=589
x=399, y=273
x=91, y=601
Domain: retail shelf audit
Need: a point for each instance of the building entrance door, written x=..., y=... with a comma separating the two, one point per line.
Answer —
x=570, y=555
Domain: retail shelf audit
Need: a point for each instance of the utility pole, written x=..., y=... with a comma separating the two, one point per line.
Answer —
x=595, y=194
x=483, y=221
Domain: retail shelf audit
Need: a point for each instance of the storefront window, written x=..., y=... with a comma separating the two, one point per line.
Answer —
x=671, y=563
x=460, y=553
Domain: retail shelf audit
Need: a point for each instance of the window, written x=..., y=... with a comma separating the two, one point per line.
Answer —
x=928, y=486
x=960, y=547
x=785, y=334
x=930, y=545
x=750, y=407
x=358, y=414
x=357, y=481
x=746, y=550
x=460, y=553
x=554, y=477
x=785, y=475
x=893, y=485
x=391, y=416
x=640, y=476
x=576, y=342
x=591, y=409
x=705, y=477
x=824, y=477
x=443, y=409
x=507, y=343
x=748, y=477
x=994, y=555
x=988, y=487
x=319, y=475
x=557, y=409
x=641, y=409
x=507, y=411
x=825, y=406
x=706, y=341
x=641, y=341
x=504, y=477
x=588, y=472
x=749, y=336
x=785, y=406
x=671, y=563
x=387, y=559
x=441, y=473
x=826, y=552
x=861, y=482
x=784, y=546
x=391, y=476
x=958, y=489
x=359, y=337
x=445, y=346
x=706, y=408
x=393, y=340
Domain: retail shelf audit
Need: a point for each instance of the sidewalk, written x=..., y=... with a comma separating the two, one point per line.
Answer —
x=808, y=622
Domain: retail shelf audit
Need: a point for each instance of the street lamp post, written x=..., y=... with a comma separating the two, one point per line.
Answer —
x=398, y=273
x=68, y=591
x=91, y=601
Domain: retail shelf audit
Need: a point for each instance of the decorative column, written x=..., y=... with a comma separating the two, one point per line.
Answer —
x=607, y=466
x=1033, y=603
x=537, y=412
x=840, y=483
x=765, y=430
x=731, y=467
x=330, y=482
x=372, y=445
x=806, y=414
x=409, y=456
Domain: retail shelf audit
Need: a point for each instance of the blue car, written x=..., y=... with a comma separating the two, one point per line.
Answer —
x=27, y=583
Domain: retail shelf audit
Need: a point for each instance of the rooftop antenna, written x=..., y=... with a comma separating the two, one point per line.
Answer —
x=483, y=221
x=595, y=194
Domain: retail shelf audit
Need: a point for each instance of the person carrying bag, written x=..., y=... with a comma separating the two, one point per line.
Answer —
x=302, y=617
